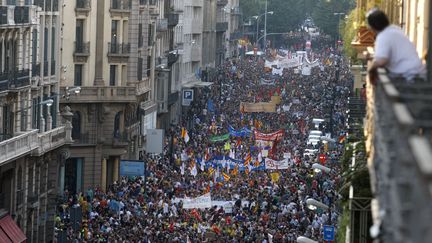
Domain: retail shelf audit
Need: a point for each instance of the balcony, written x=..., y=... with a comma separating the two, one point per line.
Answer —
x=173, y=19
x=143, y=86
x=399, y=135
x=7, y=15
x=82, y=51
x=118, y=52
x=221, y=26
x=112, y=94
x=14, y=80
x=51, y=140
x=84, y=139
x=18, y=146
x=36, y=69
x=161, y=25
x=222, y=2
x=120, y=140
x=82, y=7
x=120, y=8
x=194, y=3
x=22, y=15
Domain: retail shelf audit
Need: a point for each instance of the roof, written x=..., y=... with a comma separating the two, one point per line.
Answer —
x=10, y=232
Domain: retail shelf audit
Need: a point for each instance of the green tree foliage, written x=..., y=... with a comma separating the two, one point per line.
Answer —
x=348, y=34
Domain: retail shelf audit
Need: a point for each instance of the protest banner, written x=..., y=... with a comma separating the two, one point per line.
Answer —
x=269, y=136
x=267, y=107
x=203, y=201
x=220, y=138
x=276, y=165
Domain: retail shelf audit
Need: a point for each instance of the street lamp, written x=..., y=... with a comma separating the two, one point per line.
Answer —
x=257, y=17
x=338, y=14
x=302, y=239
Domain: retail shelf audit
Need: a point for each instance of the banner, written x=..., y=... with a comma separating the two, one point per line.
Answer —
x=132, y=168
x=225, y=161
x=200, y=202
x=276, y=165
x=221, y=138
x=244, y=132
x=257, y=107
x=269, y=136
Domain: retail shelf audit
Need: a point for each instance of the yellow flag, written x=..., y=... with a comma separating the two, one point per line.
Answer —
x=275, y=176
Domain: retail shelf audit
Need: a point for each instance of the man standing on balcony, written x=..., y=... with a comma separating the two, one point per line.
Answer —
x=393, y=50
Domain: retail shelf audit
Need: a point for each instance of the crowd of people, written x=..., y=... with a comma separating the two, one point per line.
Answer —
x=269, y=205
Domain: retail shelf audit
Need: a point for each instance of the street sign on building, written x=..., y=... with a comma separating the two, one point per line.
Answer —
x=155, y=141
x=329, y=233
x=187, y=97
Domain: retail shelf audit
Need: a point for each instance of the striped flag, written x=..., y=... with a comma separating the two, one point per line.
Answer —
x=185, y=135
x=211, y=170
x=226, y=176
x=248, y=159
x=235, y=170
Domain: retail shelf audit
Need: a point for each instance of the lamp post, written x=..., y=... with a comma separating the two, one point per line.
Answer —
x=338, y=31
x=257, y=17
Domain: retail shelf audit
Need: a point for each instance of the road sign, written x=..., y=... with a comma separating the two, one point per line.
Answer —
x=188, y=96
x=329, y=234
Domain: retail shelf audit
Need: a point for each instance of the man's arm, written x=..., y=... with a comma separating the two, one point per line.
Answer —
x=372, y=70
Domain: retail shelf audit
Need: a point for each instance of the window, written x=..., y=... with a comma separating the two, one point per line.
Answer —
x=113, y=73
x=23, y=115
x=79, y=31
x=76, y=125
x=36, y=113
x=34, y=46
x=139, y=69
x=117, y=125
x=148, y=65
x=140, y=36
x=78, y=75
x=114, y=29
x=150, y=35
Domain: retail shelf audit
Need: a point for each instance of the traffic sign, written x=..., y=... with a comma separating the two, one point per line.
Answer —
x=188, y=96
x=329, y=233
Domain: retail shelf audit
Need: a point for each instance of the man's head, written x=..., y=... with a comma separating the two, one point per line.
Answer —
x=377, y=20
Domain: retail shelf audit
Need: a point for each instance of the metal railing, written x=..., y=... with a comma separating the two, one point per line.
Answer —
x=121, y=4
x=82, y=48
x=119, y=49
x=14, y=79
x=399, y=135
x=83, y=4
x=173, y=19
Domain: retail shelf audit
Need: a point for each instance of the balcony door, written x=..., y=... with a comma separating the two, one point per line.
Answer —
x=8, y=121
x=79, y=35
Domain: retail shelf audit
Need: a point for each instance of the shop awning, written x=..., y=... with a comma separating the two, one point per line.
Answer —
x=197, y=84
x=10, y=232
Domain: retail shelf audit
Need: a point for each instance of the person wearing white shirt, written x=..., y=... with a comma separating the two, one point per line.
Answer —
x=393, y=50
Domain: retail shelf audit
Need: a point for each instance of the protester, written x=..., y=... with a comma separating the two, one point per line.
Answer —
x=267, y=205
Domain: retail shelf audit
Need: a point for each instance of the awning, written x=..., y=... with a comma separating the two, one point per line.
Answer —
x=10, y=232
x=197, y=84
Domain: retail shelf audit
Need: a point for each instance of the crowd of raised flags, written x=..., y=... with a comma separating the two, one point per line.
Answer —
x=232, y=176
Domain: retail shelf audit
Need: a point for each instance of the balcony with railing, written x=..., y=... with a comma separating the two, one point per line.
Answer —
x=120, y=8
x=161, y=25
x=120, y=139
x=118, y=52
x=84, y=139
x=221, y=26
x=399, y=143
x=143, y=86
x=18, y=146
x=113, y=94
x=82, y=51
x=222, y=2
x=173, y=19
x=51, y=140
x=82, y=7
x=14, y=80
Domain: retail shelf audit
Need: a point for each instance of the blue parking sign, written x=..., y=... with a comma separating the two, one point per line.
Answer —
x=329, y=233
x=188, y=96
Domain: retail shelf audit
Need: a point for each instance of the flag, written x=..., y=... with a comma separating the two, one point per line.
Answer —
x=211, y=170
x=248, y=159
x=185, y=135
x=257, y=163
x=342, y=139
x=226, y=176
x=207, y=190
x=202, y=165
x=275, y=176
x=238, y=143
x=207, y=154
x=235, y=170
x=194, y=170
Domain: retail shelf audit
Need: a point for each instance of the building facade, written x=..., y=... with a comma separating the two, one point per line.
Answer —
x=34, y=133
x=110, y=55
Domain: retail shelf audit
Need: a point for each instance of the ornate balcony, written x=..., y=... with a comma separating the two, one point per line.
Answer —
x=82, y=7
x=51, y=140
x=18, y=146
x=173, y=19
x=120, y=8
x=113, y=94
x=14, y=80
x=82, y=51
x=118, y=52
x=161, y=25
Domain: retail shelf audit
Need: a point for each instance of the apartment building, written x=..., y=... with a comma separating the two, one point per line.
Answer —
x=110, y=54
x=234, y=32
x=33, y=133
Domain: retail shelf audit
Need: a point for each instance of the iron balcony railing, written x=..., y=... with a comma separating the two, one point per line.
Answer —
x=82, y=48
x=173, y=19
x=83, y=4
x=121, y=4
x=118, y=49
x=14, y=79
